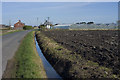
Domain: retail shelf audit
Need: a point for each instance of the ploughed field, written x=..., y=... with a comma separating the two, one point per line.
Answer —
x=99, y=46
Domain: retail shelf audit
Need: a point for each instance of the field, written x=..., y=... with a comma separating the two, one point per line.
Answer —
x=99, y=46
x=81, y=53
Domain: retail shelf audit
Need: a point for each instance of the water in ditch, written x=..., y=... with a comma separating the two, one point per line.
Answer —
x=50, y=72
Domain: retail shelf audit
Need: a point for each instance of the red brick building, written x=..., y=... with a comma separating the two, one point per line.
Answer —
x=19, y=25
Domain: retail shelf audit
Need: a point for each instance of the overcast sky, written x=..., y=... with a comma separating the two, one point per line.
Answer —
x=59, y=12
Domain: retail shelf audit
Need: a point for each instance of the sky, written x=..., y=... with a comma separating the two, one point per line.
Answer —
x=119, y=10
x=60, y=0
x=59, y=12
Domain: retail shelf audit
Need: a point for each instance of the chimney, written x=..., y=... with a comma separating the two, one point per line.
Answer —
x=19, y=20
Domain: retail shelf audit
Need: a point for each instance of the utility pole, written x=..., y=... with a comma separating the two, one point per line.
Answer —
x=48, y=19
x=9, y=22
x=37, y=21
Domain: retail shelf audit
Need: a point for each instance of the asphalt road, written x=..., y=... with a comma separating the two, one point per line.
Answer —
x=10, y=44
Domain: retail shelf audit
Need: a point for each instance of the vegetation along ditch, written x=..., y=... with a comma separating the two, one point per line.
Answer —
x=26, y=62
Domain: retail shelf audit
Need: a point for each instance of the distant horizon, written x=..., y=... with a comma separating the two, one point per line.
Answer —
x=64, y=24
x=63, y=12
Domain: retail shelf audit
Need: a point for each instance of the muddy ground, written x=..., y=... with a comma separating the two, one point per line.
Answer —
x=99, y=46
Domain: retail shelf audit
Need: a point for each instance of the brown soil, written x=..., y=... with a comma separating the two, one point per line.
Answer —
x=80, y=54
x=100, y=46
x=10, y=69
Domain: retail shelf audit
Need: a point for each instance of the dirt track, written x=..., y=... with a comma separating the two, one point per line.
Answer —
x=98, y=46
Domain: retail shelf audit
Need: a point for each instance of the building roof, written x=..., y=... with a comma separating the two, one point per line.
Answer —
x=47, y=22
x=19, y=22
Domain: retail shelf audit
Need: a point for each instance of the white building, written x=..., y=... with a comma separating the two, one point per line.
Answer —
x=47, y=24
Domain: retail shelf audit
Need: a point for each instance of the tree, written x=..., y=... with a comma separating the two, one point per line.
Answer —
x=56, y=24
x=77, y=23
x=118, y=23
x=90, y=23
x=82, y=22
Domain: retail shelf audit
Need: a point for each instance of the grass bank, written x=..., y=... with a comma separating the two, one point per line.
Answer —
x=4, y=32
x=68, y=64
x=26, y=62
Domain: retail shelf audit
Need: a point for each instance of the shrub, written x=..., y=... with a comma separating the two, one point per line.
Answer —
x=42, y=27
x=27, y=27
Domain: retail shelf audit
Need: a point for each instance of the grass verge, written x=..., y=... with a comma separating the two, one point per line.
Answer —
x=26, y=63
x=4, y=32
x=68, y=64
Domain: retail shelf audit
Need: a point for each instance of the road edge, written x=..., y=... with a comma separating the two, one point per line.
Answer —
x=13, y=73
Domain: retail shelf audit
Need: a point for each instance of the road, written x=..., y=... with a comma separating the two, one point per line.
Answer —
x=10, y=44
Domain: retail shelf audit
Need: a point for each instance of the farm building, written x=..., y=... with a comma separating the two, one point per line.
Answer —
x=19, y=25
x=2, y=26
x=47, y=23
